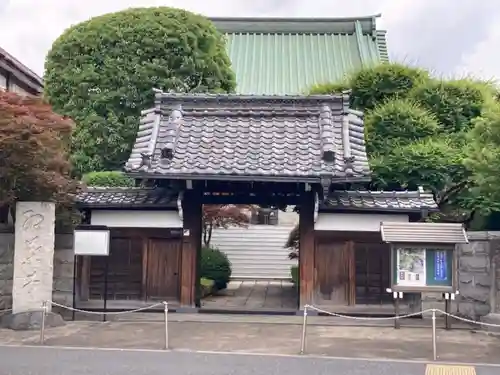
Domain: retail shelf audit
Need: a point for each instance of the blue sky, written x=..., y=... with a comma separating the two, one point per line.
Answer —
x=450, y=37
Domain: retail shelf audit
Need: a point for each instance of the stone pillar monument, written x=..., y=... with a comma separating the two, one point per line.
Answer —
x=33, y=266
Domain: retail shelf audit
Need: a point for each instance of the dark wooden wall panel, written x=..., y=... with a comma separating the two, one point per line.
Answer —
x=335, y=273
x=143, y=264
x=191, y=248
x=306, y=248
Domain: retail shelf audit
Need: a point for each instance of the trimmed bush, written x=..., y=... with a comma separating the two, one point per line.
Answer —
x=207, y=287
x=455, y=103
x=108, y=179
x=398, y=121
x=215, y=266
x=329, y=88
x=101, y=73
x=373, y=86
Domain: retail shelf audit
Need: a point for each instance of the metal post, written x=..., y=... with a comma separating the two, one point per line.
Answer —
x=75, y=268
x=397, y=311
x=304, y=332
x=42, y=326
x=106, y=270
x=447, y=309
x=434, y=343
x=165, y=305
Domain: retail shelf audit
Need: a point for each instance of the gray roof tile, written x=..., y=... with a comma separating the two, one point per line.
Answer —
x=101, y=197
x=380, y=200
x=428, y=233
x=251, y=136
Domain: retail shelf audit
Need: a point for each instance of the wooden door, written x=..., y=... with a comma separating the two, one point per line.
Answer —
x=335, y=273
x=373, y=275
x=124, y=278
x=163, y=266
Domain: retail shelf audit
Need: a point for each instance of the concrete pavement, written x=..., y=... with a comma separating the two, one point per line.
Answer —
x=74, y=361
x=333, y=341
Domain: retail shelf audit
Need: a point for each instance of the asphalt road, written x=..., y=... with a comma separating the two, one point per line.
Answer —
x=57, y=361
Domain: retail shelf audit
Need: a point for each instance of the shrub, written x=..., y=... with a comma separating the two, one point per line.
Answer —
x=374, y=85
x=108, y=179
x=329, y=88
x=294, y=272
x=398, y=121
x=101, y=72
x=215, y=266
x=455, y=103
x=207, y=287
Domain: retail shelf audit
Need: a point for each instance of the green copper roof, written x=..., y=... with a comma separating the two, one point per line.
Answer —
x=287, y=56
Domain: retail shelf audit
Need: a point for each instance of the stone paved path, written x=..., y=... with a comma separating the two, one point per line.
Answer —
x=359, y=342
x=254, y=295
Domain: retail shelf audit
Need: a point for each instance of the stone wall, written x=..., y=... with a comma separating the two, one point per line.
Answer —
x=476, y=286
x=6, y=269
x=63, y=269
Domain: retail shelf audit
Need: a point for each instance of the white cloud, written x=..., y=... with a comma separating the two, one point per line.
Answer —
x=448, y=36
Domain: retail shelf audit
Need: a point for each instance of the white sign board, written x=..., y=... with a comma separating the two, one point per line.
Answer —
x=411, y=265
x=91, y=242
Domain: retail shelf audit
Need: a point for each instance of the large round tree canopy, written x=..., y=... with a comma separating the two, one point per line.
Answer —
x=101, y=72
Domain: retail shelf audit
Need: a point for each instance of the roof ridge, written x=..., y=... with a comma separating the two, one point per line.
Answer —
x=159, y=94
x=336, y=25
x=380, y=192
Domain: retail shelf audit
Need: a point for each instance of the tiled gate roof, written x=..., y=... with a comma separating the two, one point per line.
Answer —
x=251, y=137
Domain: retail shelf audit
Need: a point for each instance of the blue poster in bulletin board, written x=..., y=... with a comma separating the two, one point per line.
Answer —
x=440, y=268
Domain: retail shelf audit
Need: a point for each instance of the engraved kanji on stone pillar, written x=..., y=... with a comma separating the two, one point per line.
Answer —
x=33, y=255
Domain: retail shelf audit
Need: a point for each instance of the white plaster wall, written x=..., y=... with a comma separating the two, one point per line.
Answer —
x=136, y=219
x=355, y=222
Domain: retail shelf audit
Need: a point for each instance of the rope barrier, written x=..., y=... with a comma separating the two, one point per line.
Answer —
x=470, y=321
x=394, y=318
x=45, y=305
x=386, y=318
x=304, y=324
x=107, y=313
x=5, y=310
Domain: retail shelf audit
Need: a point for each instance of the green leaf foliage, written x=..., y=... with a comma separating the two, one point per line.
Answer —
x=397, y=122
x=483, y=158
x=215, y=265
x=430, y=132
x=434, y=163
x=375, y=85
x=107, y=179
x=101, y=72
x=455, y=103
x=329, y=88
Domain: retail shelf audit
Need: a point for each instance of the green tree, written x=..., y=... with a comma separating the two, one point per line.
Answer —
x=375, y=85
x=483, y=158
x=397, y=122
x=417, y=131
x=33, y=150
x=101, y=72
x=455, y=103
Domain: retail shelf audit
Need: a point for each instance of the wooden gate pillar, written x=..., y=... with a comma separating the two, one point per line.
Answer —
x=306, y=248
x=191, y=248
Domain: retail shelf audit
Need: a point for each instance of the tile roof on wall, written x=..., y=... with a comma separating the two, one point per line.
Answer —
x=289, y=55
x=380, y=200
x=251, y=137
x=103, y=197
